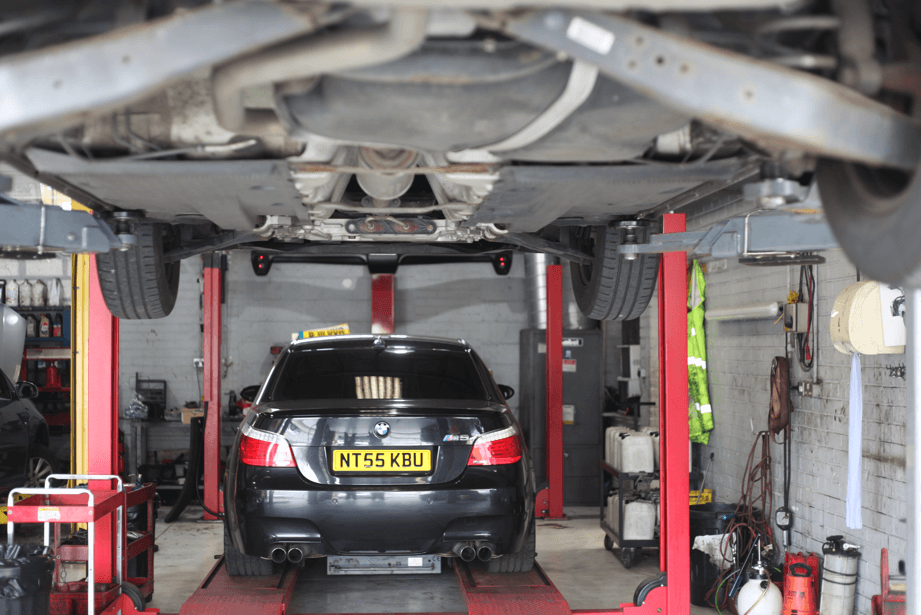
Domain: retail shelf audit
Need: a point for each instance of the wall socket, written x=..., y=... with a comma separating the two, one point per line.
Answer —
x=199, y=363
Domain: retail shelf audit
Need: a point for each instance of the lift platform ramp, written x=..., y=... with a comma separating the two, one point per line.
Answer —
x=527, y=593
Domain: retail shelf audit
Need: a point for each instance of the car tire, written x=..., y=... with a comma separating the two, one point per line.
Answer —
x=875, y=217
x=138, y=283
x=42, y=462
x=522, y=561
x=241, y=565
x=611, y=287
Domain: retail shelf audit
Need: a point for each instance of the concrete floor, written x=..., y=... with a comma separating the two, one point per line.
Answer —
x=571, y=552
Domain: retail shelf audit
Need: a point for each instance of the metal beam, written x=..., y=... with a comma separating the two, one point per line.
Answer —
x=382, y=303
x=759, y=100
x=52, y=88
x=48, y=228
x=211, y=304
x=554, y=342
x=675, y=550
x=913, y=453
x=752, y=235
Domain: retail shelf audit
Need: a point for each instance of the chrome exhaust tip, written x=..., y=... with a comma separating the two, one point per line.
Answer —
x=464, y=551
x=485, y=550
x=278, y=554
x=295, y=555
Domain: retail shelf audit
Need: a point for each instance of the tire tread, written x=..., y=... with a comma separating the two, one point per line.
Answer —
x=624, y=287
x=135, y=283
x=241, y=565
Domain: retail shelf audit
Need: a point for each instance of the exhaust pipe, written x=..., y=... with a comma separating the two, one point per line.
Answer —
x=464, y=551
x=278, y=554
x=295, y=555
x=485, y=550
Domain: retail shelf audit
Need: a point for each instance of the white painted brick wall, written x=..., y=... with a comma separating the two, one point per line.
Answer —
x=739, y=362
x=163, y=349
x=456, y=300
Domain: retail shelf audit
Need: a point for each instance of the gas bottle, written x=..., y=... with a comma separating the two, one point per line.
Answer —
x=759, y=596
x=839, y=576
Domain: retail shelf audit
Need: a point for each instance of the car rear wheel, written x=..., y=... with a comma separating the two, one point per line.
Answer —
x=523, y=561
x=241, y=565
x=42, y=463
x=610, y=287
x=138, y=283
x=875, y=217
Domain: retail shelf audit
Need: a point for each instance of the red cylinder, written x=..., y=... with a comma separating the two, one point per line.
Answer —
x=799, y=591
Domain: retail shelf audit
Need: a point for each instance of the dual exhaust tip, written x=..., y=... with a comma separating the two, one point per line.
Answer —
x=291, y=553
x=469, y=551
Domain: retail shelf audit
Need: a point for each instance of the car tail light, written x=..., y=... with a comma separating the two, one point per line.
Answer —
x=496, y=448
x=264, y=449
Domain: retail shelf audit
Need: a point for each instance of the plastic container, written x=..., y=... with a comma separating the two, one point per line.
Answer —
x=639, y=518
x=839, y=577
x=759, y=596
x=26, y=575
x=636, y=454
x=39, y=294
x=25, y=294
x=12, y=293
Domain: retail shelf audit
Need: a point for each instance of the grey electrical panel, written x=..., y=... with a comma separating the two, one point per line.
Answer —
x=583, y=399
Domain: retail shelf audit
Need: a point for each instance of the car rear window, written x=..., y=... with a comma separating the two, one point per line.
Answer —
x=368, y=373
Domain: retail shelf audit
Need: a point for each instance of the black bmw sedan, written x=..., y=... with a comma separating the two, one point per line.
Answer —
x=379, y=446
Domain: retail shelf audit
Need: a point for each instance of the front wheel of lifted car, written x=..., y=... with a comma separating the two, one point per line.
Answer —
x=875, y=214
x=523, y=561
x=138, y=283
x=611, y=287
x=241, y=565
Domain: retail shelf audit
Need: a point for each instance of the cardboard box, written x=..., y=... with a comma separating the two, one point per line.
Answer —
x=190, y=413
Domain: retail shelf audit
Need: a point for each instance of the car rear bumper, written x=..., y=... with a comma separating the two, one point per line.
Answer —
x=380, y=520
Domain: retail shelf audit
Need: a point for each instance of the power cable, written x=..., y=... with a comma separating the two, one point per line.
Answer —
x=805, y=347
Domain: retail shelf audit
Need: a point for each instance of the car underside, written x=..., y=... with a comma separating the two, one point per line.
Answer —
x=463, y=128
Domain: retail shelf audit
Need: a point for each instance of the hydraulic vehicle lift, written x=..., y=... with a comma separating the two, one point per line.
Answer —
x=668, y=592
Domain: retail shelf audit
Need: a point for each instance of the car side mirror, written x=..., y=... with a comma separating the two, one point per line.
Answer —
x=507, y=391
x=27, y=390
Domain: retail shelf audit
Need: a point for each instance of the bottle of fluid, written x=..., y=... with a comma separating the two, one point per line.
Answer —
x=12, y=293
x=58, y=329
x=44, y=326
x=31, y=326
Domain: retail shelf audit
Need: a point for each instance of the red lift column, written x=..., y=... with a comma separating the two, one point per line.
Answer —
x=675, y=537
x=102, y=406
x=382, y=303
x=211, y=307
x=555, y=390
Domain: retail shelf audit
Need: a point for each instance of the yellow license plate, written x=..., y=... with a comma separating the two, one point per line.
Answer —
x=389, y=460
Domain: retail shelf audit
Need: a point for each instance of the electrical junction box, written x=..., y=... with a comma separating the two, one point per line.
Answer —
x=796, y=317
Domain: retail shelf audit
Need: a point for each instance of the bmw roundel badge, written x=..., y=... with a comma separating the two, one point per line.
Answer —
x=382, y=429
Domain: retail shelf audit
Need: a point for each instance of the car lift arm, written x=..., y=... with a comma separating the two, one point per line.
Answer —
x=48, y=228
x=765, y=102
x=745, y=236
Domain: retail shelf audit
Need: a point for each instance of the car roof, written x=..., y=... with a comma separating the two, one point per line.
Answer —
x=369, y=341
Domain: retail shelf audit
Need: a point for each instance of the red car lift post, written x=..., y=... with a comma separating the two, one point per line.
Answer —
x=102, y=402
x=554, y=341
x=382, y=303
x=211, y=309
